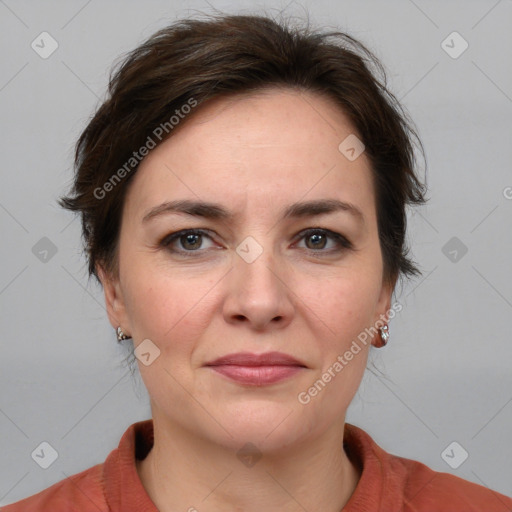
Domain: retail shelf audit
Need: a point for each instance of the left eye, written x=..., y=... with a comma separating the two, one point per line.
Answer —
x=318, y=239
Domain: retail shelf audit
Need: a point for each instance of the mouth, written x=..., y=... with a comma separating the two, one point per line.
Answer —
x=257, y=369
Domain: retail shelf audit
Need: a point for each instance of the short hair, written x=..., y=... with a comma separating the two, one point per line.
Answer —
x=194, y=60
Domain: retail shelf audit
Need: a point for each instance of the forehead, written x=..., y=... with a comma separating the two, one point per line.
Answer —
x=263, y=149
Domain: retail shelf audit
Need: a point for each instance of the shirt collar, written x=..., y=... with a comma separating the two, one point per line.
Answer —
x=124, y=490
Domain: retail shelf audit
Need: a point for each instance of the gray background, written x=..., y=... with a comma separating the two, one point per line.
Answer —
x=446, y=372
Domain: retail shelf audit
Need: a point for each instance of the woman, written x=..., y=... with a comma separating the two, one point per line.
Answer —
x=243, y=194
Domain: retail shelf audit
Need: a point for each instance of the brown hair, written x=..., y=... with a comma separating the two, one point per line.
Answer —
x=194, y=60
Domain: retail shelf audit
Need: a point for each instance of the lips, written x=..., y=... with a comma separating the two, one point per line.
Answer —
x=256, y=369
x=248, y=359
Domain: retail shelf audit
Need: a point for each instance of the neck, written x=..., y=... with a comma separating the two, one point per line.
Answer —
x=185, y=472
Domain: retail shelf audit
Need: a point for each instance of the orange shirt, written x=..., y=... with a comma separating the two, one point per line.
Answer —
x=388, y=483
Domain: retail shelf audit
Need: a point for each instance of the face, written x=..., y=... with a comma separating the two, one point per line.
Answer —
x=200, y=285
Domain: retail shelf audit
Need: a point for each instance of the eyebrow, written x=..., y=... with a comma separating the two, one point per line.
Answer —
x=216, y=211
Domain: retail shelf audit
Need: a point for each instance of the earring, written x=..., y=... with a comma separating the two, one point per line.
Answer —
x=384, y=335
x=121, y=336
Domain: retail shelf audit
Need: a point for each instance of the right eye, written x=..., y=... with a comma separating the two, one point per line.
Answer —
x=190, y=241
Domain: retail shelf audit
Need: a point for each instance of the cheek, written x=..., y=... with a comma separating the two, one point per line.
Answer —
x=355, y=304
x=167, y=310
x=342, y=306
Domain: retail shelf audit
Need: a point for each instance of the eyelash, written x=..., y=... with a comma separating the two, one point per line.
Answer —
x=343, y=243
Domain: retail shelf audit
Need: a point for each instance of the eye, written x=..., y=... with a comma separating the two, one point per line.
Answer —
x=316, y=240
x=190, y=240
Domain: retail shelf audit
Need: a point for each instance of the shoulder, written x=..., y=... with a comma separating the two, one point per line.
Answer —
x=426, y=489
x=390, y=482
x=111, y=485
x=82, y=491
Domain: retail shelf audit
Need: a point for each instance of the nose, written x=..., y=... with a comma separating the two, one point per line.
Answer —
x=258, y=294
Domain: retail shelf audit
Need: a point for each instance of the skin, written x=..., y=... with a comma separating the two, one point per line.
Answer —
x=255, y=154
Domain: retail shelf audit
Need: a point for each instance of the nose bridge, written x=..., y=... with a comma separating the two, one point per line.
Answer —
x=255, y=267
x=257, y=291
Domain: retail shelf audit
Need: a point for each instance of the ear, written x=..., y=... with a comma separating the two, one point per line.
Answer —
x=382, y=310
x=114, y=300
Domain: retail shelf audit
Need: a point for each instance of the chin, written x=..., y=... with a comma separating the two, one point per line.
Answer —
x=266, y=424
